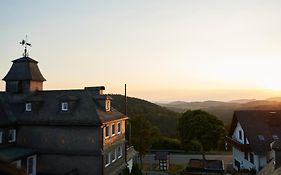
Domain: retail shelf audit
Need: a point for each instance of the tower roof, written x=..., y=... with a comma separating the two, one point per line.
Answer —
x=24, y=68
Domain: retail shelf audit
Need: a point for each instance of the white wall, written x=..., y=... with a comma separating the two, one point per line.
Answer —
x=236, y=134
x=263, y=161
x=240, y=157
x=259, y=161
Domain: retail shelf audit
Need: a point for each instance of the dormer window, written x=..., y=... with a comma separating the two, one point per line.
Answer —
x=107, y=105
x=28, y=107
x=64, y=106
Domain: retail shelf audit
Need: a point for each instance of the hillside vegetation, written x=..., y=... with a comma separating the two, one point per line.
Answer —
x=163, y=118
x=224, y=110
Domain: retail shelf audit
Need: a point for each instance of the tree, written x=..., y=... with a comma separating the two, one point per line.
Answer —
x=143, y=135
x=136, y=170
x=199, y=130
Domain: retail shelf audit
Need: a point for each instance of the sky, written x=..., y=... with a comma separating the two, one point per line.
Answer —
x=164, y=50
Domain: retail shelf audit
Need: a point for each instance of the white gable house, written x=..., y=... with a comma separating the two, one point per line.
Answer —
x=250, y=137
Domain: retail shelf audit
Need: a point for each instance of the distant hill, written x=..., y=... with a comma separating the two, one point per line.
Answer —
x=241, y=101
x=224, y=110
x=274, y=99
x=163, y=118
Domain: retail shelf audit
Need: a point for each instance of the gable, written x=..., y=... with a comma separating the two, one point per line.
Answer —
x=260, y=128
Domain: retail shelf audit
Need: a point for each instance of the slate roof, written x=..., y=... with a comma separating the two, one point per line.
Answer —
x=84, y=108
x=261, y=128
x=24, y=68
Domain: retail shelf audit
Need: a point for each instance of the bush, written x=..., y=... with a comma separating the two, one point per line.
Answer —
x=166, y=143
x=136, y=170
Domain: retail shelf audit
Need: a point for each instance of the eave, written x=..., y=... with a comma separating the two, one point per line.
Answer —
x=240, y=146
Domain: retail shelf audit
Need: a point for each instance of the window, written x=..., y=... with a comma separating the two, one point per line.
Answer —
x=12, y=135
x=107, y=105
x=119, y=128
x=28, y=107
x=252, y=158
x=107, y=160
x=246, y=155
x=107, y=129
x=240, y=134
x=114, y=157
x=275, y=137
x=113, y=129
x=64, y=106
x=237, y=164
x=31, y=165
x=119, y=152
x=163, y=165
x=1, y=137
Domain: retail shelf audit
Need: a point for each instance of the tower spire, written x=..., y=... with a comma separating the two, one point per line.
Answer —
x=25, y=44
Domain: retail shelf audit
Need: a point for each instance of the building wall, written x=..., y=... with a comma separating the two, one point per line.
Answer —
x=236, y=134
x=262, y=161
x=111, y=139
x=61, y=139
x=60, y=164
x=36, y=85
x=240, y=157
x=259, y=160
x=116, y=167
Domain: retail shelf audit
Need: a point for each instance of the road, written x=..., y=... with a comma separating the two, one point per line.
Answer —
x=184, y=158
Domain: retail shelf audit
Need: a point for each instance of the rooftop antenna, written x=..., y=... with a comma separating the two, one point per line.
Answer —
x=25, y=44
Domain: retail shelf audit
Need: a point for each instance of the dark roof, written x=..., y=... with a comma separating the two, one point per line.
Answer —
x=24, y=68
x=15, y=153
x=84, y=109
x=161, y=155
x=261, y=128
x=199, y=165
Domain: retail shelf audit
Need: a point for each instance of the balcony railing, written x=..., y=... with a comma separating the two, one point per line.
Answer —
x=242, y=147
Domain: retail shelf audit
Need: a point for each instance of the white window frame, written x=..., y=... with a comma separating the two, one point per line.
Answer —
x=119, y=127
x=64, y=106
x=114, y=157
x=113, y=130
x=14, y=135
x=120, y=149
x=107, y=105
x=28, y=107
x=107, y=156
x=107, y=128
x=34, y=159
x=1, y=137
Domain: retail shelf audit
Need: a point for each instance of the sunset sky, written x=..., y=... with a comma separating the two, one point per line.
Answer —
x=164, y=50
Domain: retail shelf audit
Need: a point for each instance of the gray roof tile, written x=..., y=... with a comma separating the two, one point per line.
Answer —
x=24, y=68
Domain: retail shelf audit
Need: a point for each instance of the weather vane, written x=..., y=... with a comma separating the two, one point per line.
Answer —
x=25, y=44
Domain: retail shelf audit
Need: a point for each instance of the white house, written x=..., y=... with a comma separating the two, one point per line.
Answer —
x=251, y=135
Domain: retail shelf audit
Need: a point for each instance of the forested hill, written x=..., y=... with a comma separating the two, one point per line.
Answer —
x=161, y=117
